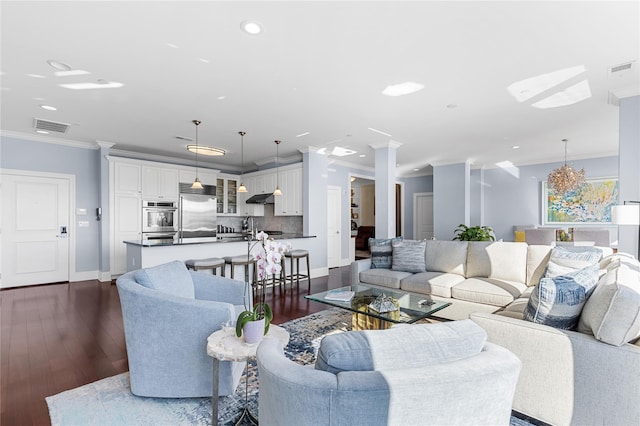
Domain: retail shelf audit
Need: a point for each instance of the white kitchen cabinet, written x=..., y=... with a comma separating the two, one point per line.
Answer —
x=206, y=177
x=245, y=209
x=227, y=195
x=127, y=226
x=159, y=183
x=265, y=183
x=290, y=202
x=127, y=178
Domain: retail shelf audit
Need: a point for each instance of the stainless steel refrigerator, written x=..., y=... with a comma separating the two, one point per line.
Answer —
x=198, y=217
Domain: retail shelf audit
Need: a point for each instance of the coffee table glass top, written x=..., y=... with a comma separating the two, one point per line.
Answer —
x=411, y=310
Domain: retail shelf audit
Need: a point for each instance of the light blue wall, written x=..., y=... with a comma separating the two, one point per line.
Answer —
x=449, y=199
x=629, y=165
x=517, y=200
x=27, y=155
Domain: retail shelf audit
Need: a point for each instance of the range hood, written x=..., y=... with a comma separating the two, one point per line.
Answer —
x=261, y=199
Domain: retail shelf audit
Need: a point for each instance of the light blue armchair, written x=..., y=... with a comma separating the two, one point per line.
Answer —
x=427, y=374
x=168, y=313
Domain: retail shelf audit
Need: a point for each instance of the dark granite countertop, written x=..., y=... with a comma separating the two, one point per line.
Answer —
x=229, y=238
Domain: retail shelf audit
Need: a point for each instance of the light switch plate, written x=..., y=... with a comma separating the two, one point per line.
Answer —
x=83, y=224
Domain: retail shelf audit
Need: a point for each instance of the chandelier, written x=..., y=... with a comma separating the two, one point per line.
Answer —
x=565, y=178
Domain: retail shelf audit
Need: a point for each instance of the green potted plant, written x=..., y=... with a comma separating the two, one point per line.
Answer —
x=254, y=323
x=473, y=233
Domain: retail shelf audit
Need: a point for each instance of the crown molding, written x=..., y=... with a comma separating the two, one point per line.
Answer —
x=48, y=139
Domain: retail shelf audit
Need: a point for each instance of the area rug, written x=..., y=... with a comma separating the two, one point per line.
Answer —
x=109, y=402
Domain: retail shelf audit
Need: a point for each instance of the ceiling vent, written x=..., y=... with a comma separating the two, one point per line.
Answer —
x=50, y=126
x=621, y=70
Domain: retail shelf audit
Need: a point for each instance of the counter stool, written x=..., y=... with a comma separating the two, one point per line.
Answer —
x=295, y=273
x=242, y=260
x=212, y=263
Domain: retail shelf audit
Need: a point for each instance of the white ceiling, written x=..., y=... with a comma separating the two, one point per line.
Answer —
x=320, y=67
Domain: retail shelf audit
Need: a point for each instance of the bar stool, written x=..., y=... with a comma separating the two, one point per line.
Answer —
x=242, y=260
x=295, y=273
x=212, y=263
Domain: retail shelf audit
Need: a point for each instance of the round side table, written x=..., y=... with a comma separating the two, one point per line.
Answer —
x=223, y=345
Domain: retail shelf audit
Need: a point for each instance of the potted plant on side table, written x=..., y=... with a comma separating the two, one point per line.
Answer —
x=254, y=323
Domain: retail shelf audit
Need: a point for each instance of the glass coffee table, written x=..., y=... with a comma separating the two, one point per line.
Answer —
x=410, y=307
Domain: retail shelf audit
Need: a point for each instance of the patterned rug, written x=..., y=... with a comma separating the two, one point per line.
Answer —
x=109, y=402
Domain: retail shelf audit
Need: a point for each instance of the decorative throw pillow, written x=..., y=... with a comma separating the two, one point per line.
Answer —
x=612, y=313
x=170, y=278
x=408, y=256
x=565, y=260
x=558, y=301
x=381, y=252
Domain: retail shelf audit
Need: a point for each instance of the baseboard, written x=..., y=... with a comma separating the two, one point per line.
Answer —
x=83, y=276
x=319, y=272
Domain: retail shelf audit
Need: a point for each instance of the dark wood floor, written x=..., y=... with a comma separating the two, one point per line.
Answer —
x=60, y=336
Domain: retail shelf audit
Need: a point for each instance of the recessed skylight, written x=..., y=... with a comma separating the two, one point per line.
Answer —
x=339, y=151
x=569, y=96
x=401, y=89
x=251, y=27
x=70, y=73
x=528, y=88
x=97, y=85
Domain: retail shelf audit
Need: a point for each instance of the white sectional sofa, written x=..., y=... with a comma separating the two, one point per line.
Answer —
x=590, y=376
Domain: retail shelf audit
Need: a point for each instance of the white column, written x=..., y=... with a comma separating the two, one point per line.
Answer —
x=385, y=175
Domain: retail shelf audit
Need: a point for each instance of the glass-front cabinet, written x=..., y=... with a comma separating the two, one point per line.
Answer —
x=227, y=195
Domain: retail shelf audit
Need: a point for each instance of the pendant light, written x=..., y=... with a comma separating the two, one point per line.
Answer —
x=196, y=183
x=277, y=191
x=242, y=188
x=565, y=178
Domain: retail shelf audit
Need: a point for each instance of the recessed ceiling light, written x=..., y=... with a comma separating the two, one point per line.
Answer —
x=379, y=131
x=221, y=97
x=36, y=76
x=100, y=84
x=44, y=132
x=303, y=134
x=171, y=45
x=251, y=27
x=452, y=106
x=48, y=107
x=361, y=155
x=204, y=61
x=401, y=89
x=184, y=138
x=206, y=150
x=516, y=147
x=415, y=170
x=59, y=65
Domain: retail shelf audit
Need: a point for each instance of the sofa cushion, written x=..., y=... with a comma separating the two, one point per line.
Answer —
x=382, y=252
x=612, y=313
x=558, y=301
x=499, y=260
x=170, y=278
x=434, y=283
x=446, y=256
x=416, y=345
x=383, y=277
x=408, y=256
x=537, y=260
x=564, y=260
x=487, y=291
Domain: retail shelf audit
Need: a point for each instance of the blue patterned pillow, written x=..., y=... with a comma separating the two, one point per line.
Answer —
x=565, y=260
x=382, y=252
x=409, y=256
x=558, y=301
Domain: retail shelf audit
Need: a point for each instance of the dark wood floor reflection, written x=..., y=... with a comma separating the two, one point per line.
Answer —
x=60, y=336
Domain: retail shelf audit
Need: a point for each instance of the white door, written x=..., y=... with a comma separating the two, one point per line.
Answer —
x=35, y=234
x=423, y=216
x=334, y=222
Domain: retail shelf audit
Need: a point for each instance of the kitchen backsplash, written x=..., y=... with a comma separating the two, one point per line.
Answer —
x=269, y=222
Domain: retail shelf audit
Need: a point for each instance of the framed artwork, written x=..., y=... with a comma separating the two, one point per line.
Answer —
x=589, y=204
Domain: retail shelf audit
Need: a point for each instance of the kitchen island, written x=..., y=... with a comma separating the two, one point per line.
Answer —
x=146, y=253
